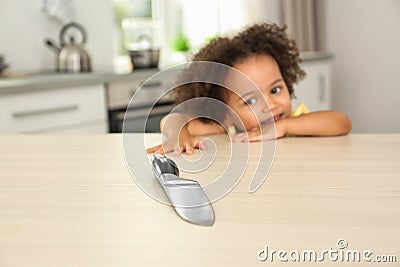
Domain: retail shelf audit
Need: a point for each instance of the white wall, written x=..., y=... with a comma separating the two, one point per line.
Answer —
x=263, y=11
x=98, y=18
x=364, y=36
x=23, y=27
x=205, y=18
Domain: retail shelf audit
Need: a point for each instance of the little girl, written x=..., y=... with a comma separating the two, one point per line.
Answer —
x=265, y=55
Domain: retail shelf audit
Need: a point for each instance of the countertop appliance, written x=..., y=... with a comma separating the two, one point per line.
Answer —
x=141, y=41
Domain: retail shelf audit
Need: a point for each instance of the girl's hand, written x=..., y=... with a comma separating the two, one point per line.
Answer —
x=267, y=132
x=184, y=143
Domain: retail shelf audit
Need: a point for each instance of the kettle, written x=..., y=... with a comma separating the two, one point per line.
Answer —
x=71, y=56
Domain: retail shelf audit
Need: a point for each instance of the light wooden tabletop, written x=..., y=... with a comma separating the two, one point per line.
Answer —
x=71, y=201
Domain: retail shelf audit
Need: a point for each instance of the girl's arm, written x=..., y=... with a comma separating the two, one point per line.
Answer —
x=181, y=134
x=320, y=123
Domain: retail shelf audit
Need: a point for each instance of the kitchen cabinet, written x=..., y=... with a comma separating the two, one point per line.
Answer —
x=120, y=92
x=147, y=110
x=78, y=109
x=315, y=89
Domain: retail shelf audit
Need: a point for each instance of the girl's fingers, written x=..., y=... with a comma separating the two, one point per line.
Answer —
x=242, y=137
x=153, y=149
x=189, y=149
x=161, y=149
x=255, y=138
x=197, y=144
x=177, y=151
x=202, y=145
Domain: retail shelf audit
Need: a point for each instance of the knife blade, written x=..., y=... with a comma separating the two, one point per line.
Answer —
x=187, y=196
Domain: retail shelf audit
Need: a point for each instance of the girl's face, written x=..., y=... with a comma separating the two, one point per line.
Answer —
x=249, y=102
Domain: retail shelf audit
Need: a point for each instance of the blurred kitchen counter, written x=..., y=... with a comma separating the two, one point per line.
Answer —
x=21, y=82
x=315, y=56
x=16, y=82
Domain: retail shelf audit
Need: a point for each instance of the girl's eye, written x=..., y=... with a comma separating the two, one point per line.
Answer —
x=276, y=90
x=251, y=101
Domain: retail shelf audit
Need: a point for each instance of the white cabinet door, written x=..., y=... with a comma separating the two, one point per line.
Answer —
x=120, y=93
x=54, y=110
x=315, y=89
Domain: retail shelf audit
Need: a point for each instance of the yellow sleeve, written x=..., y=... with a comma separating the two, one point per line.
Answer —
x=300, y=110
x=232, y=130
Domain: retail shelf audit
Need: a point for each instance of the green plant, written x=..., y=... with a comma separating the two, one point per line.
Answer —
x=210, y=38
x=122, y=9
x=181, y=43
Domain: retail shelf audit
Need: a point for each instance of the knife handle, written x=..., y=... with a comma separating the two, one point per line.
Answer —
x=163, y=165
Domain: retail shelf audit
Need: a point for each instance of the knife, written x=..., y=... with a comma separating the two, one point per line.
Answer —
x=186, y=196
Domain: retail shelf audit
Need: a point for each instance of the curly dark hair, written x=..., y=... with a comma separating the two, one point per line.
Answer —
x=259, y=39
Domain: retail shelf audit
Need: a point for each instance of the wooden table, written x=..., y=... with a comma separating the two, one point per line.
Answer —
x=70, y=201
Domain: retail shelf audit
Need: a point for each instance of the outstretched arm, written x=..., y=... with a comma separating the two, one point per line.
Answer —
x=181, y=134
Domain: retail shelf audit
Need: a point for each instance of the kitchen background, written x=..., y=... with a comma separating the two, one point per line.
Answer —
x=361, y=35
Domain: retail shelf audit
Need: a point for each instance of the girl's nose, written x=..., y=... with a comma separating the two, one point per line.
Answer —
x=270, y=106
